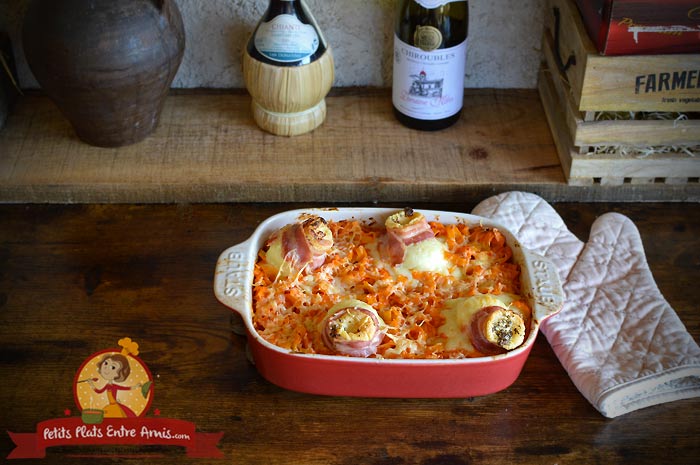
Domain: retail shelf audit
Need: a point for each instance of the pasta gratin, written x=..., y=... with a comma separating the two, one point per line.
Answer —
x=405, y=288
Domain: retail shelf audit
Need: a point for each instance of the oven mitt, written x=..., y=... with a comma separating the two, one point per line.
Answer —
x=620, y=341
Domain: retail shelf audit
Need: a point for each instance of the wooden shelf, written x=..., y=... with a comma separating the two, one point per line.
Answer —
x=208, y=149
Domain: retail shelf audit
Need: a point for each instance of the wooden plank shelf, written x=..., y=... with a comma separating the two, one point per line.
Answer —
x=208, y=149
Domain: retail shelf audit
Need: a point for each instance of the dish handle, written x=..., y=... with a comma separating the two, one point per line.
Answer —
x=233, y=281
x=548, y=295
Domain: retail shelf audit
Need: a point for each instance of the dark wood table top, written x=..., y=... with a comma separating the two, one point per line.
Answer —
x=76, y=278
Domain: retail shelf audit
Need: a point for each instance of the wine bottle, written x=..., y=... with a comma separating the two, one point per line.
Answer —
x=288, y=69
x=287, y=35
x=430, y=46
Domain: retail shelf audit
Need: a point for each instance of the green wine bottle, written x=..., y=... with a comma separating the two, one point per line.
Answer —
x=430, y=47
x=287, y=35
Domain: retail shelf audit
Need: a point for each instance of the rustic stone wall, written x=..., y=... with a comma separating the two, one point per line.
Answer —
x=504, y=41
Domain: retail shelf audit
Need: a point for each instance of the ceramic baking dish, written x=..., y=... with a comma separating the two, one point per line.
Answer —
x=370, y=377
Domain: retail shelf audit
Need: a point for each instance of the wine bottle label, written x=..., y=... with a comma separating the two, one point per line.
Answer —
x=428, y=85
x=427, y=37
x=430, y=4
x=286, y=39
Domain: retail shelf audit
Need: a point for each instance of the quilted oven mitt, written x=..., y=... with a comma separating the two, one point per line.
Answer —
x=620, y=341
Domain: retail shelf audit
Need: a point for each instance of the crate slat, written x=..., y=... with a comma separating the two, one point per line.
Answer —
x=638, y=133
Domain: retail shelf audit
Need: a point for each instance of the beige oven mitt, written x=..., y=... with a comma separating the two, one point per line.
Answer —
x=620, y=341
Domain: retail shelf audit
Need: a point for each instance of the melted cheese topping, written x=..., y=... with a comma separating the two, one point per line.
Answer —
x=421, y=302
x=275, y=257
x=427, y=255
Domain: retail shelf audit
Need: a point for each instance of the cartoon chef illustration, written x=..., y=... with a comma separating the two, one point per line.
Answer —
x=115, y=369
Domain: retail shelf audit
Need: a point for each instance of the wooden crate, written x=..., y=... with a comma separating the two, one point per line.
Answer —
x=575, y=97
x=621, y=83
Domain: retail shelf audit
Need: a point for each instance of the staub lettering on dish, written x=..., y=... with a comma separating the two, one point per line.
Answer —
x=236, y=275
x=543, y=282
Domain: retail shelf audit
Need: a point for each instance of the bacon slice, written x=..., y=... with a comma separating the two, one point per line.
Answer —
x=403, y=229
x=352, y=328
x=305, y=244
x=495, y=330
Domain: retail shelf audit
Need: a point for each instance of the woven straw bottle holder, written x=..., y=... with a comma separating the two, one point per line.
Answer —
x=289, y=100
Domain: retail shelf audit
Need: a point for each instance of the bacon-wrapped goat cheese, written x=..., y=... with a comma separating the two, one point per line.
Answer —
x=352, y=327
x=489, y=324
x=300, y=246
x=495, y=330
x=410, y=244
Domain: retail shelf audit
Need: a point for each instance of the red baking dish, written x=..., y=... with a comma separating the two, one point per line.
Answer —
x=371, y=377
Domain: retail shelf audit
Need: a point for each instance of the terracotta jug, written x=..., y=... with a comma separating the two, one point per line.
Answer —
x=108, y=65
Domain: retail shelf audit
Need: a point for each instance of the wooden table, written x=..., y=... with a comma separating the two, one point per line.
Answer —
x=76, y=278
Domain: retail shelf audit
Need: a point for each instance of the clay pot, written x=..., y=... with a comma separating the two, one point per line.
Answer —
x=108, y=65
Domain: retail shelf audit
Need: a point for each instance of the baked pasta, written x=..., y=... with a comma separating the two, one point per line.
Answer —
x=401, y=288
